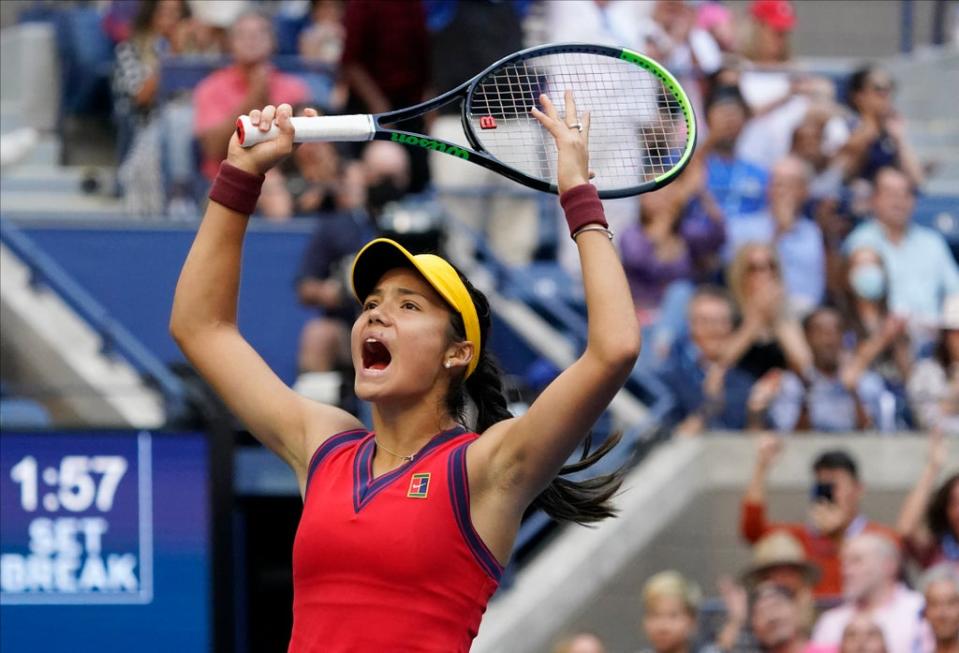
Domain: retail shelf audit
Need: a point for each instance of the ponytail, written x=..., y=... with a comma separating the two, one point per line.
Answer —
x=584, y=502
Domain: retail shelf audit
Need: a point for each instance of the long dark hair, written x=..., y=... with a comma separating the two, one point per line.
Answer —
x=143, y=20
x=937, y=516
x=583, y=502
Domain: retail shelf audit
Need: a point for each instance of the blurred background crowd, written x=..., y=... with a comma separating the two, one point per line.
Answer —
x=784, y=282
x=796, y=278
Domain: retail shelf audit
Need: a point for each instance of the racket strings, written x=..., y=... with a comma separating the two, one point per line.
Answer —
x=638, y=129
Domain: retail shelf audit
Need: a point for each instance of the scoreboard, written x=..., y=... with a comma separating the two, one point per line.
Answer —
x=104, y=542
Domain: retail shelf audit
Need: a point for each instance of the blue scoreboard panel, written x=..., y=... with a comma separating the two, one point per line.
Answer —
x=104, y=542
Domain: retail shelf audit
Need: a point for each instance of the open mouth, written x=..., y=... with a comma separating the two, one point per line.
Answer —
x=375, y=355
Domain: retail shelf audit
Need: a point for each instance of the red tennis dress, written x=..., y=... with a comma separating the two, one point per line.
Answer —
x=389, y=563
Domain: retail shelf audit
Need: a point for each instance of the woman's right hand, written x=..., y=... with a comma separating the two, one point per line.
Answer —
x=261, y=157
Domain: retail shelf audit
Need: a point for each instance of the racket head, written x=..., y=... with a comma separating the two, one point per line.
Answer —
x=643, y=129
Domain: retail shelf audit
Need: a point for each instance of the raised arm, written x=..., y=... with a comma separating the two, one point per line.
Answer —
x=753, y=523
x=909, y=524
x=522, y=455
x=203, y=321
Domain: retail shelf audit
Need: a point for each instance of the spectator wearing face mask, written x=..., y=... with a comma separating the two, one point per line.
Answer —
x=882, y=341
x=922, y=270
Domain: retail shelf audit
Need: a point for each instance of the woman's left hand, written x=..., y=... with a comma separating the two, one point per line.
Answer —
x=572, y=141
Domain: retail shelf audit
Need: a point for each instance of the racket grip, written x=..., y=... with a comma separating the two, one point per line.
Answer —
x=355, y=127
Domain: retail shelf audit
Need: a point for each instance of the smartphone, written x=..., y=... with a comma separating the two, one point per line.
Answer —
x=822, y=492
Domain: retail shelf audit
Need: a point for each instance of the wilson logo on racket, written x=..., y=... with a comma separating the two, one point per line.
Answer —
x=643, y=128
x=430, y=144
x=419, y=486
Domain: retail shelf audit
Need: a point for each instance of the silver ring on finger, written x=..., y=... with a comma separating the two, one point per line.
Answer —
x=577, y=126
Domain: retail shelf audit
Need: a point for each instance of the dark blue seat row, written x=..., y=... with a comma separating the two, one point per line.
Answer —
x=940, y=212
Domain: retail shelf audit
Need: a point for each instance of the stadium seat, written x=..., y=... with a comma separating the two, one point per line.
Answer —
x=19, y=413
x=940, y=212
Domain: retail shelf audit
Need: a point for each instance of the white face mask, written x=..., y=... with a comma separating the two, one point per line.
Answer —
x=868, y=281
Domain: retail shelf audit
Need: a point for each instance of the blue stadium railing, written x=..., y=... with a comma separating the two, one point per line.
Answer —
x=116, y=339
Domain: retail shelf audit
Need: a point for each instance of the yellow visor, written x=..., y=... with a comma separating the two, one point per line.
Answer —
x=382, y=255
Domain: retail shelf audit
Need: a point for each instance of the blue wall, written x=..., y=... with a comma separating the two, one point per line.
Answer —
x=132, y=270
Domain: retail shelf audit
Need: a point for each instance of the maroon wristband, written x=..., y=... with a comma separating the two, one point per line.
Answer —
x=236, y=189
x=582, y=207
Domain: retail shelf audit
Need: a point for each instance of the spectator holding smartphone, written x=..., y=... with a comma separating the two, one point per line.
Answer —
x=834, y=514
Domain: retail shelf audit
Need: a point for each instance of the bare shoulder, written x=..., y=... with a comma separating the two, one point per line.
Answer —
x=322, y=422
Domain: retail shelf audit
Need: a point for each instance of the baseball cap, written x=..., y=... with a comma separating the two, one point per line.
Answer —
x=778, y=14
x=382, y=254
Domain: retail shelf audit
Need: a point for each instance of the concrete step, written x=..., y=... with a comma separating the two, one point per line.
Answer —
x=49, y=179
x=59, y=204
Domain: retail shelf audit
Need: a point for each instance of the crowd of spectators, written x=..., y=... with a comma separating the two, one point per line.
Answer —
x=832, y=581
x=782, y=281
x=783, y=272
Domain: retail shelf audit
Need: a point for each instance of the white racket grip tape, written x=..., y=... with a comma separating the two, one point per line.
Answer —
x=354, y=127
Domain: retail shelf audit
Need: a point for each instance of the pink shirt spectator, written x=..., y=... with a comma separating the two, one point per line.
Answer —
x=218, y=96
x=899, y=619
x=812, y=647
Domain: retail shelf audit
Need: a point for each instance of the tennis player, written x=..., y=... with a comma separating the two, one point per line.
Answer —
x=406, y=529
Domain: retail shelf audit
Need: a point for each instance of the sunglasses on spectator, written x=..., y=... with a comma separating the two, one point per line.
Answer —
x=772, y=589
x=885, y=89
x=761, y=266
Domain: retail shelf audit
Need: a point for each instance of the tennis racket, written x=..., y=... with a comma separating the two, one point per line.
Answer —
x=642, y=131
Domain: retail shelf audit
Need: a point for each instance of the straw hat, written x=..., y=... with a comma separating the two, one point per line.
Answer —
x=778, y=549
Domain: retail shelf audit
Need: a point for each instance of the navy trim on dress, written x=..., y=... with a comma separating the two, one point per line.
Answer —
x=365, y=487
x=460, y=496
x=327, y=448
